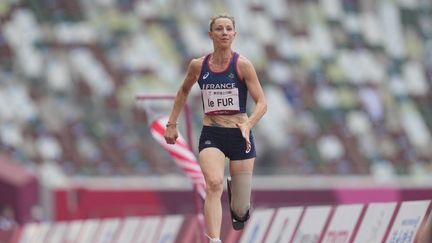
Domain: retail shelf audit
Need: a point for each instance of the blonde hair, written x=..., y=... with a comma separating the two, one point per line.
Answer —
x=219, y=16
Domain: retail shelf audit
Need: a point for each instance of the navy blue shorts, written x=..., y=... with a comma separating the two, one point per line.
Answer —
x=228, y=140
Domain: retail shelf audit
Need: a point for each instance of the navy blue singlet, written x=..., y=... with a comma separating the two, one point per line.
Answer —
x=223, y=93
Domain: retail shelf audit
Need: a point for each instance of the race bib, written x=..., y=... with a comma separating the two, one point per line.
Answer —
x=221, y=100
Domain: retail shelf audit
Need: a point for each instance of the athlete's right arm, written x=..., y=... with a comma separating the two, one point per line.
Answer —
x=191, y=78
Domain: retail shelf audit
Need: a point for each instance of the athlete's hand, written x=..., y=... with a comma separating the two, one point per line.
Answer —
x=171, y=134
x=245, y=130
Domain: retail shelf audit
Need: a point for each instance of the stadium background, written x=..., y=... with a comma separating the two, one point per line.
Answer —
x=348, y=85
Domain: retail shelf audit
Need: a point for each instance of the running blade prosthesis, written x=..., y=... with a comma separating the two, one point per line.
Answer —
x=237, y=222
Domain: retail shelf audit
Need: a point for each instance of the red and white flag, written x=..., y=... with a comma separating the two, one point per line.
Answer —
x=181, y=153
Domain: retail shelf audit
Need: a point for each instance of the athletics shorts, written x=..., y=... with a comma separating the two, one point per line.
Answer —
x=228, y=140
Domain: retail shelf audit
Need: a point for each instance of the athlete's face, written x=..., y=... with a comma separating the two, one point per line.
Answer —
x=222, y=32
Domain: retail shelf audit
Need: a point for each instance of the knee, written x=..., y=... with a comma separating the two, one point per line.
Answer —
x=215, y=185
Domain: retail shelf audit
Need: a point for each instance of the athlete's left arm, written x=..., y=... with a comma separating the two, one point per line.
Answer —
x=249, y=75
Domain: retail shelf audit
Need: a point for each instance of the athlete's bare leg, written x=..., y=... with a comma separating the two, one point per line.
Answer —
x=212, y=162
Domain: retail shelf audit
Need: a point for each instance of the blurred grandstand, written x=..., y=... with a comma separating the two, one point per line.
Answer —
x=348, y=83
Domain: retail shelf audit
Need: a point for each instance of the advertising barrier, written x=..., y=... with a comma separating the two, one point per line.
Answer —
x=345, y=223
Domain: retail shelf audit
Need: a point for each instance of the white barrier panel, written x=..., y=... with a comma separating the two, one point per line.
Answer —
x=170, y=229
x=41, y=233
x=343, y=223
x=148, y=230
x=88, y=231
x=312, y=224
x=284, y=224
x=408, y=221
x=28, y=233
x=107, y=231
x=57, y=232
x=73, y=231
x=375, y=222
x=128, y=230
x=257, y=227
